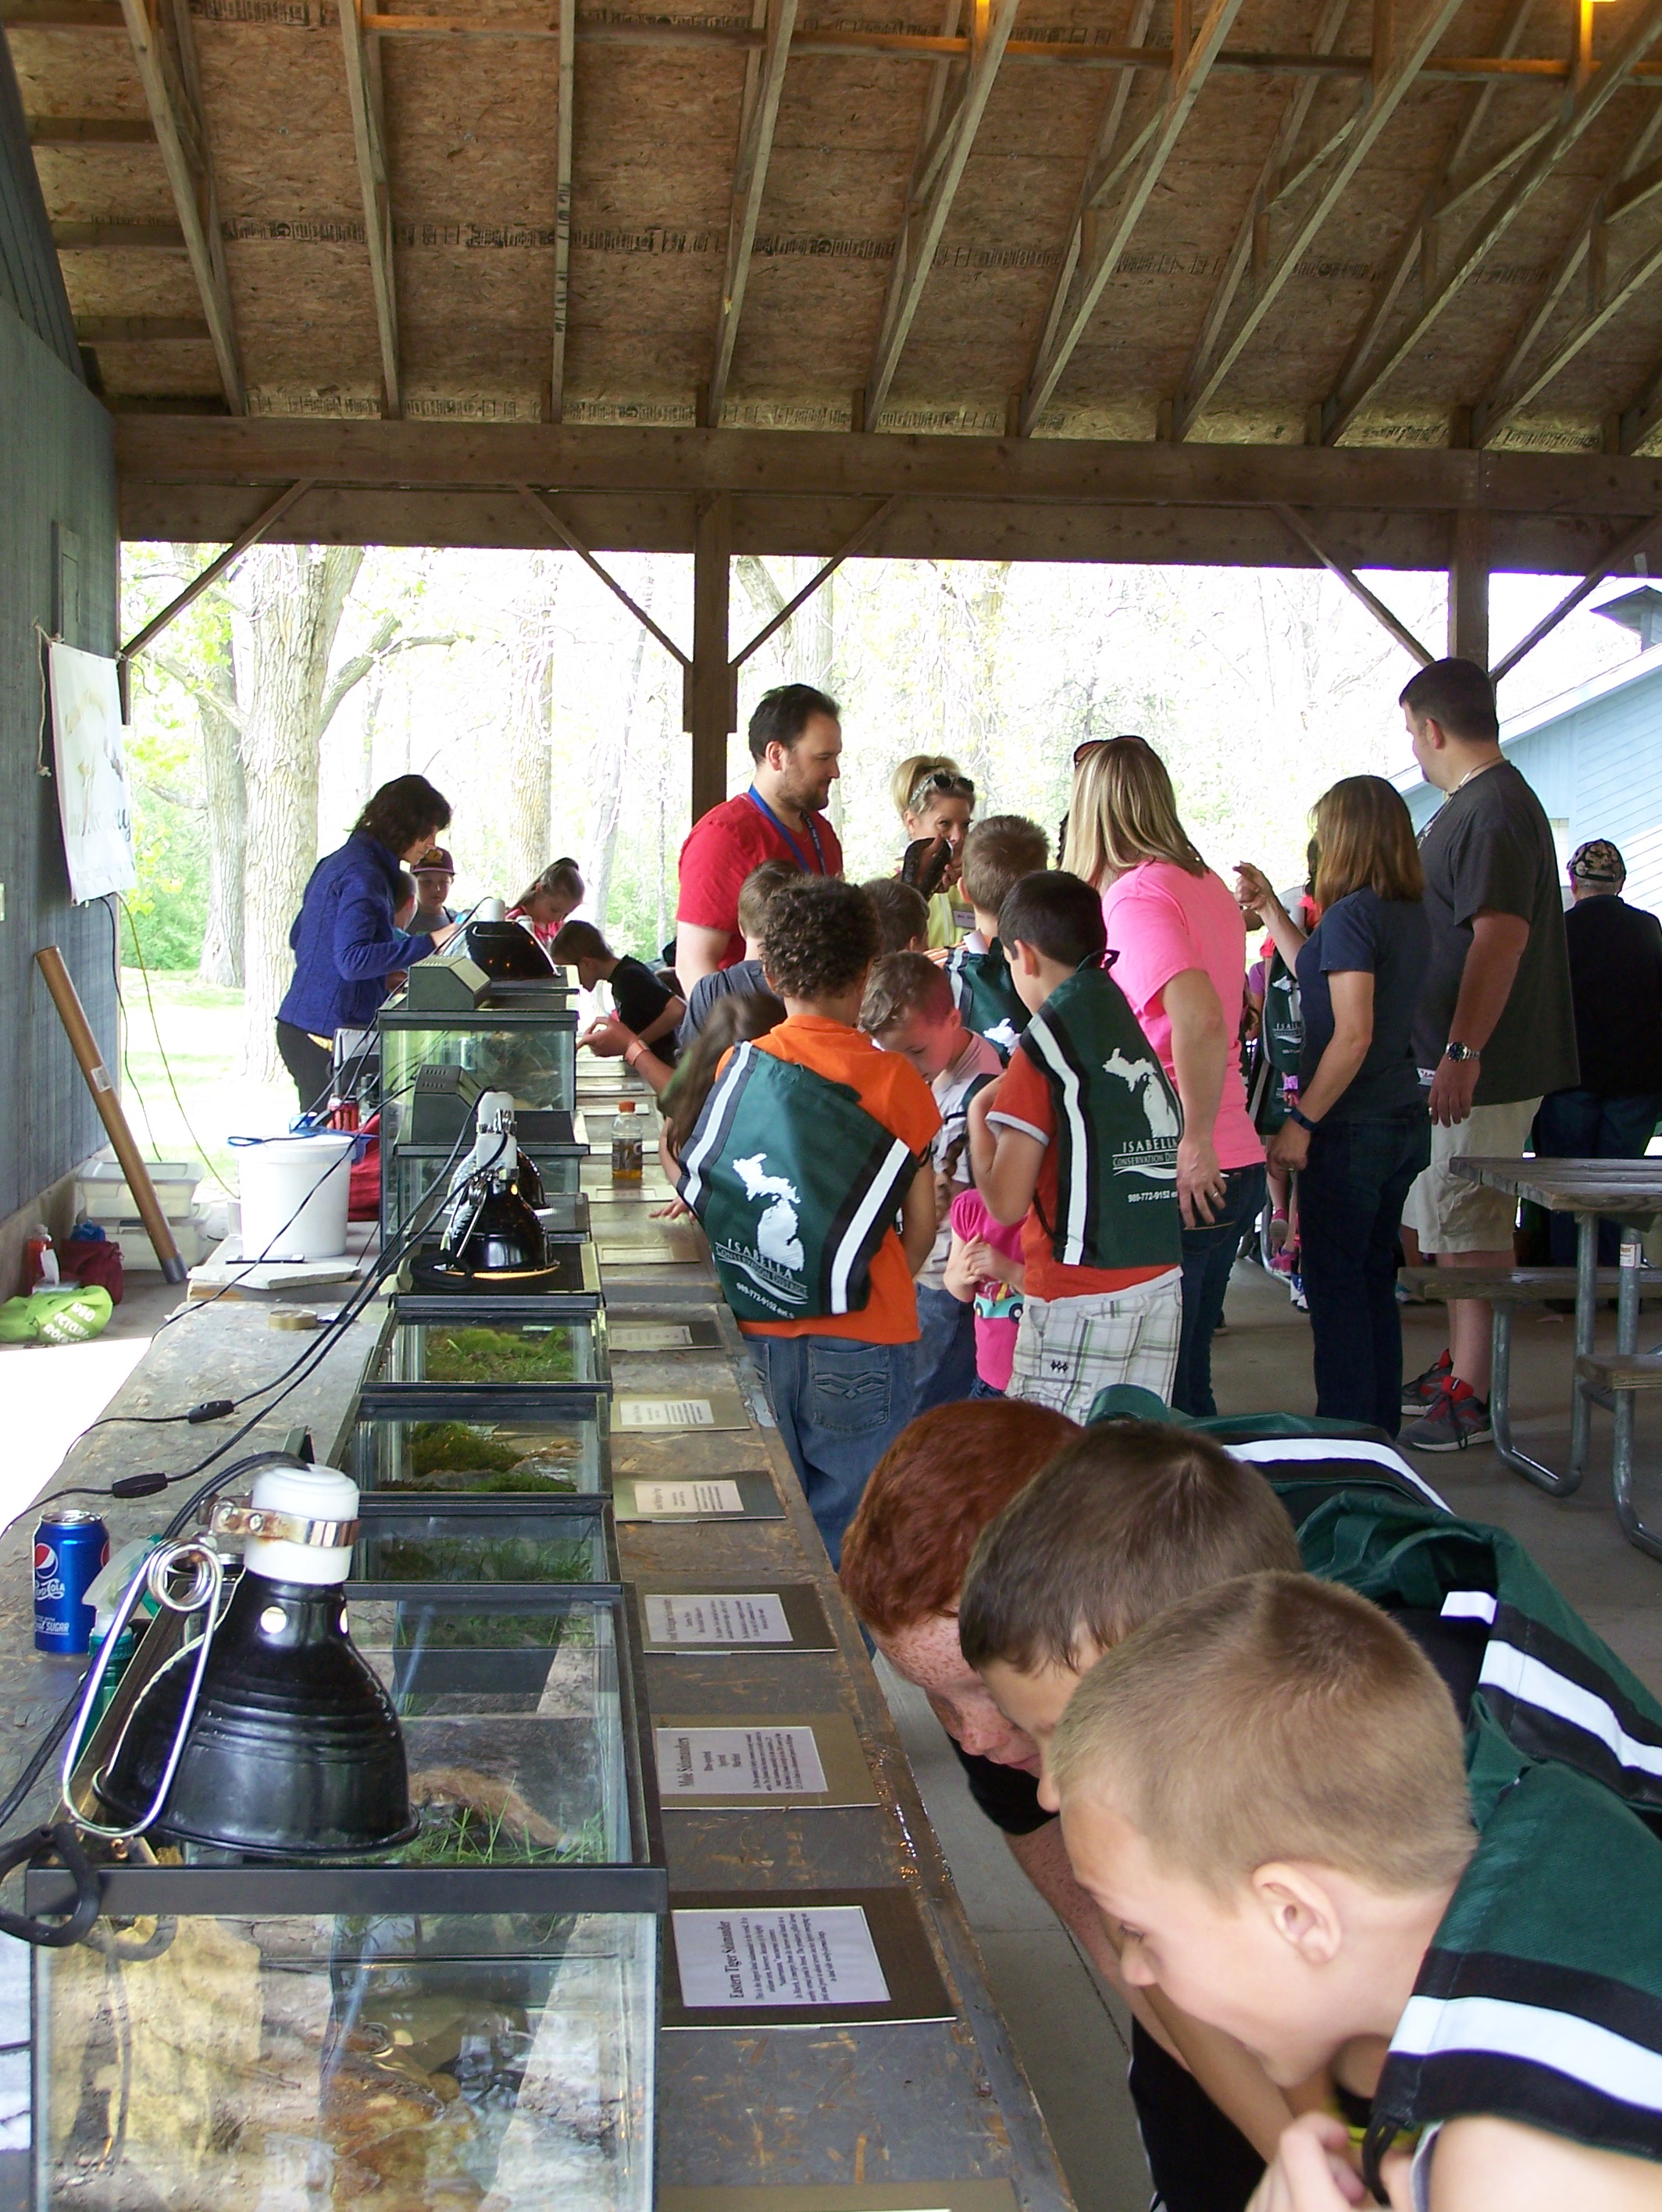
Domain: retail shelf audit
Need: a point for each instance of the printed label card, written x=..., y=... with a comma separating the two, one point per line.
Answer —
x=723, y=1617
x=651, y=1336
x=665, y=1414
x=683, y=1498
x=727, y=1762
x=804, y=1957
x=814, y=1959
x=738, y=1762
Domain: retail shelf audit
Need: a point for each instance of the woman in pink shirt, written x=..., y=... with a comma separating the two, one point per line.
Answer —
x=1177, y=943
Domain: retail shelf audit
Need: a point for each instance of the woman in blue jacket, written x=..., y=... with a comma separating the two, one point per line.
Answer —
x=345, y=941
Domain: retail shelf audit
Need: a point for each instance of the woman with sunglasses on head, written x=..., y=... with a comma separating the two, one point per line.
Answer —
x=935, y=800
x=1178, y=943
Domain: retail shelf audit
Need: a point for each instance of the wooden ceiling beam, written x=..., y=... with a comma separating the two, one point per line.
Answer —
x=929, y=203
x=1299, y=529
x=764, y=83
x=564, y=126
x=363, y=91
x=90, y=131
x=1458, y=162
x=1273, y=186
x=1548, y=543
x=1581, y=110
x=168, y=71
x=1512, y=386
x=1388, y=90
x=840, y=464
x=1189, y=69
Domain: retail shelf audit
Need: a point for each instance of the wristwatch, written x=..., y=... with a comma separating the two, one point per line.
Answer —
x=1453, y=1051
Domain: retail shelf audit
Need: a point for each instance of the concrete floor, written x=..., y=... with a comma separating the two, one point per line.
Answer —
x=1070, y=2034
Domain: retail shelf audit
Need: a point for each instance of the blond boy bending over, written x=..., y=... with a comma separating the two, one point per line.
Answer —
x=1264, y=1790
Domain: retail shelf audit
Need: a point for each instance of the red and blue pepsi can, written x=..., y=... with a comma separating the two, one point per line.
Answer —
x=70, y=1548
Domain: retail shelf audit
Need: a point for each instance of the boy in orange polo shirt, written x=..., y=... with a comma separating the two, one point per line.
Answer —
x=1078, y=1140
x=806, y=1151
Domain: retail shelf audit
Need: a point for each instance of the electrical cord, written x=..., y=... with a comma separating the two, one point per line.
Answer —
x=391, y=1253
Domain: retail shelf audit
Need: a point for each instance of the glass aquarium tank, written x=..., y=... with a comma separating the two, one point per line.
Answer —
x=413, y=1174
x=473, y=1351
x=470, y=2022
x=498, y=1544
x=488, y=1444
x=527, y=1047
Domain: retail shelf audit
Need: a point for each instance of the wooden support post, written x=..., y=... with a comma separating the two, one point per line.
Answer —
x=84, y=1045
x=710, y=692
x=1468, y=587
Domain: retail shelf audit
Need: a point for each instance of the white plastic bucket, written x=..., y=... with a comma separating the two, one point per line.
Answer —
x=295, y=1192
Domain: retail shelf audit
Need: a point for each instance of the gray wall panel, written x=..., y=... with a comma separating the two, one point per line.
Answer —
x=57, y=477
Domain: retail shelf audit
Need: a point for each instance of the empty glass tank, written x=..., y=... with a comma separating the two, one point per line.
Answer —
x=528, y=1048
x=484, y=1445
x=472, y=2024
x=412, y=1173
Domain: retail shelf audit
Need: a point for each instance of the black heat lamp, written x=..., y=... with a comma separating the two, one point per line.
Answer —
x=507, y=953
x=267, y=1734
x=491, y=1238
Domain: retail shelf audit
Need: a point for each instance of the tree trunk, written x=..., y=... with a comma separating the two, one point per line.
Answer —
x=225, y=798
x=291, y=598
x=226, y=793
x=530, y=702
x=609, y=769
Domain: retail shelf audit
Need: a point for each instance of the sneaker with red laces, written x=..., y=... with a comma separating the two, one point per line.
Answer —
x=1459, y=1418
x=1420, y=1395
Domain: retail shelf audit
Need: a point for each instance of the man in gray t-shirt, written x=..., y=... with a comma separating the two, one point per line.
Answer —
x=1495, y=1029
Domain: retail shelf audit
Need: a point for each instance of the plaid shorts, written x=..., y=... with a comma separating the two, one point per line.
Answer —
x=1068, y=1349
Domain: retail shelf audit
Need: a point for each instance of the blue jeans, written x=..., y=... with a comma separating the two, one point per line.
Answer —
x=1575, y=1125
x=946, y=1350
x=839, y=1406
x=1208, y=1253
x=1351, y=1195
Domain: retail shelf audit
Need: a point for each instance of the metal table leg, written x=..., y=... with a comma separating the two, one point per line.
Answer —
x=1586, y=1316
x=1500, y=1413
x=1624, y=1407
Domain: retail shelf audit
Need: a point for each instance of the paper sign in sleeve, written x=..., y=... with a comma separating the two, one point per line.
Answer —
x=738, y=1762
x=726, y=1617
x=822, y=1956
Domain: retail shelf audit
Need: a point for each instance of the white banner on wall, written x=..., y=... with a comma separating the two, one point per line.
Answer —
x=93, y=803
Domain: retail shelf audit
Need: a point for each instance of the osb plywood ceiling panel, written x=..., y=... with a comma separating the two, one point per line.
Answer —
x=1352, y=222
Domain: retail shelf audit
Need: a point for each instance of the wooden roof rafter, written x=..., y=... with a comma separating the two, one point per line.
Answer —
x=363, y=86
x=1512, y=386
x=1581, y=110
x=1460, y=176
x=942, y=160
x=1249, y=250
x=1108, y=160
x=764, y=84
x=564, y=144
x=1389, y=87
x=1191, y=65
x=173, y=91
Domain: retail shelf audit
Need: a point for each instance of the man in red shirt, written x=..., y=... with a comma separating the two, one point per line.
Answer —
x=795, y=740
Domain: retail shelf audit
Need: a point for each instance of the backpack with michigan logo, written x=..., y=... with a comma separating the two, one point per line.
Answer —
x=985, y=994
x=1118, y=1122
x=1276, y=1049
x=796, y=1185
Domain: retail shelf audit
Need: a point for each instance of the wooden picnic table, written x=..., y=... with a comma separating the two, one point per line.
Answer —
x=1630, y=1192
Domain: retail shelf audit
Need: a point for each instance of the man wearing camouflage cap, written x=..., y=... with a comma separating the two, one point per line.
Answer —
x=1616, y=984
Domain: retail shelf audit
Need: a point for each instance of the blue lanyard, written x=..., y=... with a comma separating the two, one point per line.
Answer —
x=763, y=807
